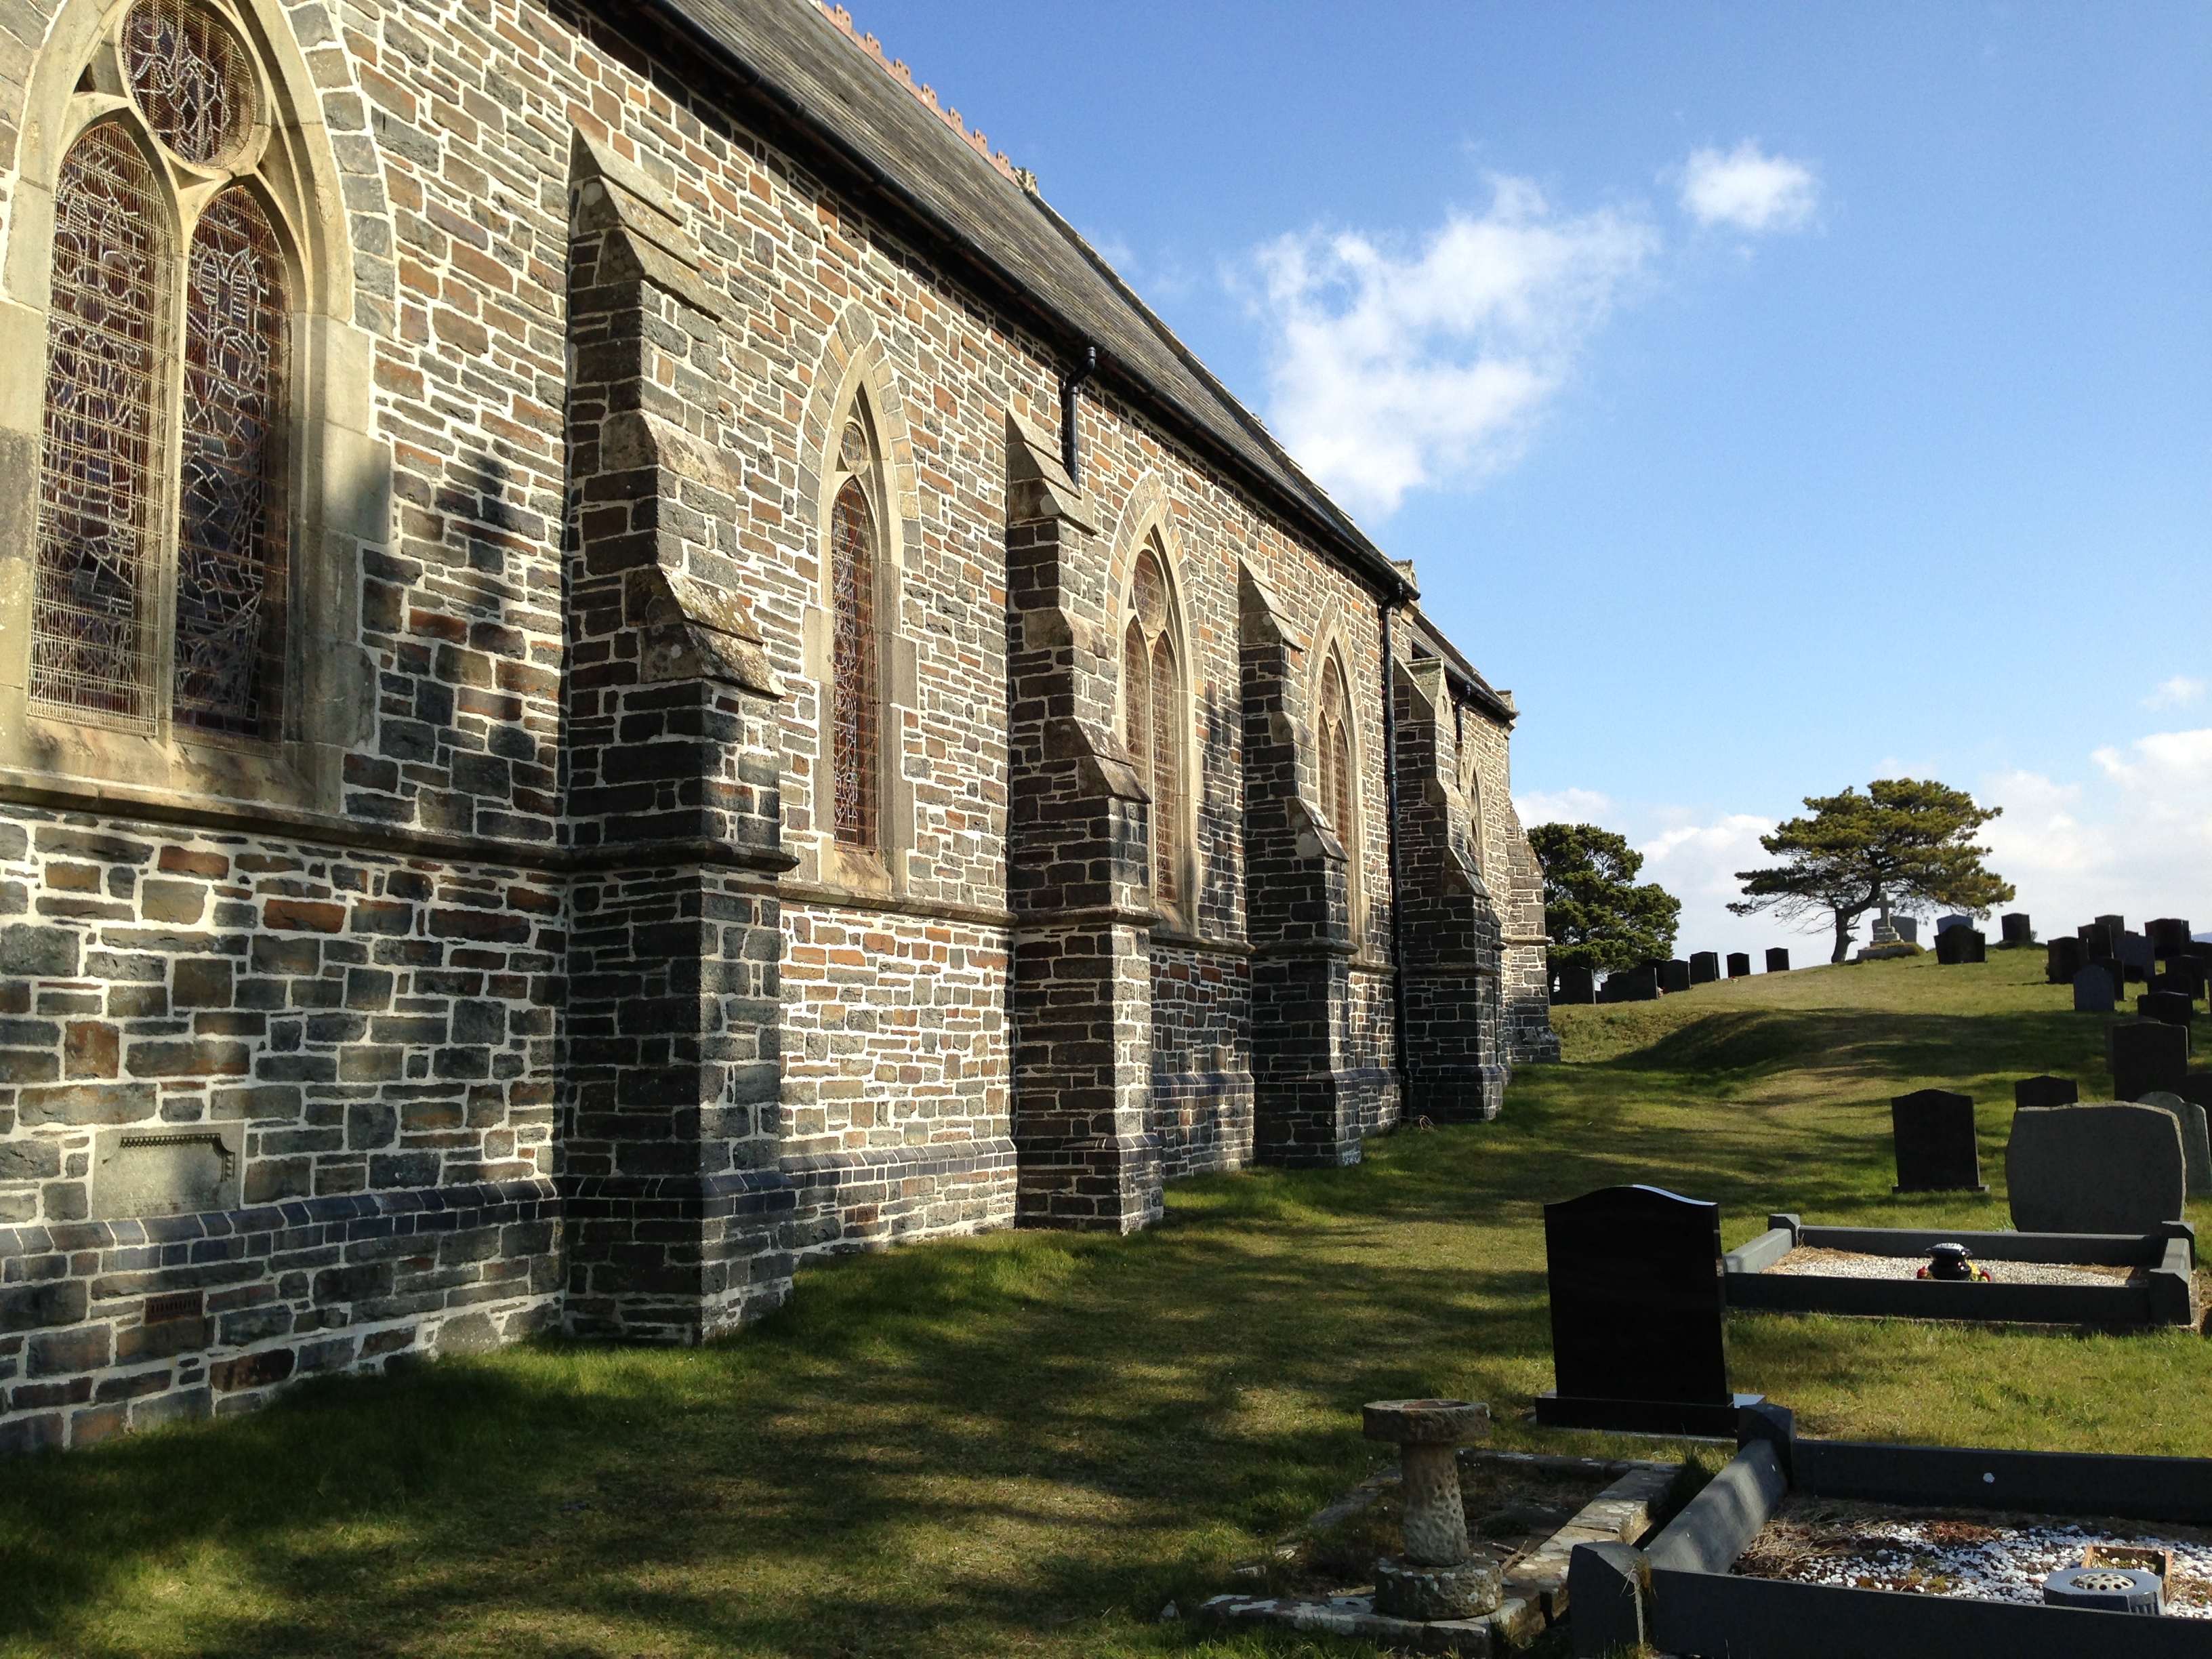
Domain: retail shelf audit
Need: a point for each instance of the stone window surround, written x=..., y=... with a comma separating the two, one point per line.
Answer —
x=1151, y=534
x=337, y=489
x=1330, y=647
x=863, y=390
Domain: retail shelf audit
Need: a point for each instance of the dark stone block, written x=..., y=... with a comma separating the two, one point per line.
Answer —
x=1637, y=1313
x=1932, y=1134
x=30, y=1307
x=31, y=950
x=1778, y=960
x=2045, y=1090
x=253, y=1370
x=1739, y=965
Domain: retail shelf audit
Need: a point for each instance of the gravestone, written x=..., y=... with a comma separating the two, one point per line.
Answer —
x=2045, y=1090
x=1932, y=1135
x=2197, y=1086
x=2135, y=956
x=1907, y=928
x=1945, y=924
x=2062, y=958
x=1639, y=1340
x=2113, y=926
x=2110, y=967
x=2103, y=1168
x=2172, y=1006
x=2093, y=990
x=1739, y=965
x=2183, y=975
x=2144, y=1055
x=1576, y=984
x=2017, y=932
x=1637, y=984
x=1956, y=945
x=1778, y=960
x=1673, y=976
x=1705, y=967
x=2196, y=1142
x=2168, y=936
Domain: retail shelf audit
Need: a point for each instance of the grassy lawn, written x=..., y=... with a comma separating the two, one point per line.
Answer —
x=1027, y=1443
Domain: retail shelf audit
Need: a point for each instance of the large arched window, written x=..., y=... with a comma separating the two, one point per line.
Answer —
x=160, y=575
x=1152, y=706
x=1332, y=740
x=856, y=711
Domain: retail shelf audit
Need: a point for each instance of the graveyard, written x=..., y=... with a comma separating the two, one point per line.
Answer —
x=1039, y=1444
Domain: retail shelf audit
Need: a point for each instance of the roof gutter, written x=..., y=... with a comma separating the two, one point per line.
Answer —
x=679, y=28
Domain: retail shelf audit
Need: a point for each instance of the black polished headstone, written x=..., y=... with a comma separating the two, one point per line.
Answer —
x=1932, y=1131
x=2146, y=1055
x=1638, y=1336
x=2113, y=926
x=1637, y=984
x=2136, y=957
x=2064, y=958
x=1739, y=965
x=1673, y=976
x=1705, y=967
x=2168, y=936
x=2046, y=1090
x=2197, y=1086
x=1778, y=960
x=1955, y=945
x=2169, y=1005
x=2182, y=973
x=2093, y=991
x=2016, y=929
x=2110, y=967
x=1575, y=984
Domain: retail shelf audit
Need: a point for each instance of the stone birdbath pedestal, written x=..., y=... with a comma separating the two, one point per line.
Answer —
x=1432, y=1578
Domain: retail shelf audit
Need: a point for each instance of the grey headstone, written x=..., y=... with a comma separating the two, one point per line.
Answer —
x=2103, y=1168
x=1945, y=924
x=2093, y=991
x=2046, y=1090
x=2196, y=1142
x=166, y=1171
x=1778, y=960
x=1907, y=928
x=2134, y=955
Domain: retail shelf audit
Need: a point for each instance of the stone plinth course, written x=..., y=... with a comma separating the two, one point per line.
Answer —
x=2108, y=1167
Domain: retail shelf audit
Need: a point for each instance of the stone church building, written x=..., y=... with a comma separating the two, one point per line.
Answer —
x=623, y=662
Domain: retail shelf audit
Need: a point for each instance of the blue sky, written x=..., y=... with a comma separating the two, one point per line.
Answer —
x=1773, y=397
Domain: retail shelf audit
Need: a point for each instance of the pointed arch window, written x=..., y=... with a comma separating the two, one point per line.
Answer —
x=161, y=565
x=1151, y=704
x=855, y=560
x=1339, y=777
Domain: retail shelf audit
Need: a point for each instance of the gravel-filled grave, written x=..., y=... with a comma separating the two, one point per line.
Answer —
x=1983, y=1555
x=1812, y=1261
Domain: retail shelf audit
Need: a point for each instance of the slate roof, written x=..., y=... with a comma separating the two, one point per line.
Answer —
x=874, y=137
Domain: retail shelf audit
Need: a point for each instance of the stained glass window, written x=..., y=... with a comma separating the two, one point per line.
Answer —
x=191, y=78
x=1151, y=693
x=856, y=714
x=95, y=595
x=230, y=528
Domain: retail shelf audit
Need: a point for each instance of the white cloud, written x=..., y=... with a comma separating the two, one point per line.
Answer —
x=1562, y=806
x=1748, y=189
x=2134, y=839
x=2177, y=693
x=1390, y=372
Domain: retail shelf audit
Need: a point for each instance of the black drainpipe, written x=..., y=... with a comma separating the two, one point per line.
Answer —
x=1068, y=388
x=1397, y=885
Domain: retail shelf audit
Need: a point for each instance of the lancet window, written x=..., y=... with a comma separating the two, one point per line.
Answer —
x=161, y=568
x=855, y=712
x=1333, y=735
x=1151, y=705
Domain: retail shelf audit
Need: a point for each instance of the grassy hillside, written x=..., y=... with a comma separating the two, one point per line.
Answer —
x=1027, y=1443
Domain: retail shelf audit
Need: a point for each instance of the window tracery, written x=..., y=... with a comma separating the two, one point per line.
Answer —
x=1334, y=742
x=164, y=562
x=856, y=710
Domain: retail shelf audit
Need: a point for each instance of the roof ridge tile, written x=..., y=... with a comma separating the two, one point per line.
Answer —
x=896, y=68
